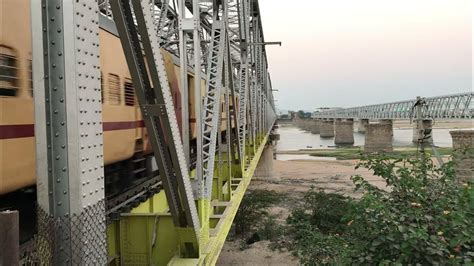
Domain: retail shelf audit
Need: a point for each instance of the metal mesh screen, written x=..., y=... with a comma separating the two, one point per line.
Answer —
x=80, y=239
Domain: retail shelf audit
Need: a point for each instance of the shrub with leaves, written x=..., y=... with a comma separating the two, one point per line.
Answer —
x=317, y=228
x=253, y=210
x=425, y=216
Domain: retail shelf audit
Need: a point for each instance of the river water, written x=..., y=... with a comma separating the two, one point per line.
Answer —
x=293, y=138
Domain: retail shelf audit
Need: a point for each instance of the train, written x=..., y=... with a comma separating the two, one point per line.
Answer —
x=127, y=151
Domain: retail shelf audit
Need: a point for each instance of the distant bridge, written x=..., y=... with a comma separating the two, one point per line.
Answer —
x=455, y=106
x=376, y=121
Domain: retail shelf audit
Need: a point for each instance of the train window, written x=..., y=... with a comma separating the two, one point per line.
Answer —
x=8, y=72
x=114, y=89
x=129, y=91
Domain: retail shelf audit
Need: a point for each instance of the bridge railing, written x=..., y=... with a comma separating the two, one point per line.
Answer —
x=455, y=106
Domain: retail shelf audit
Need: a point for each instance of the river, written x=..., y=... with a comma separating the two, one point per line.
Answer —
x=293, y=138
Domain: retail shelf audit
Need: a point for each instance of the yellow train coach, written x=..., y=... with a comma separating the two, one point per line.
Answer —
x=125, y=137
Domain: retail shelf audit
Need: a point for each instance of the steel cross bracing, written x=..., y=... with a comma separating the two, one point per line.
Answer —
x=455, y=106
x=219, y=42
x=156, y=104
x=243, y=18
x=231, y=85
x=169, y=15
x=212, y=102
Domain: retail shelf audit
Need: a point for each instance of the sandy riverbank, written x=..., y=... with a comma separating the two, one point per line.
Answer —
x=294, y=178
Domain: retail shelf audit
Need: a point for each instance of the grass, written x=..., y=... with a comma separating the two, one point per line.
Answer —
x=355, y=153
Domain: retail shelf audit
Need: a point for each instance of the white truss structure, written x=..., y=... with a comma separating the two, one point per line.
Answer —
x=455, y=106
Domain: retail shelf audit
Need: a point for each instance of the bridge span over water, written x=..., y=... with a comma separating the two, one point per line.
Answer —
x=376, y=121
x=455, y=106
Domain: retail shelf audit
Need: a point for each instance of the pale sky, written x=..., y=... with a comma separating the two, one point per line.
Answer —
x=358, y=52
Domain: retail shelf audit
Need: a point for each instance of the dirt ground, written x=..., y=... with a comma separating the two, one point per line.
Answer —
x=294, y=178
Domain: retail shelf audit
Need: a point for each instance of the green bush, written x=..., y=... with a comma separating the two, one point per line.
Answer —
x=317, y=228
x=253, y=210
x=423, y=217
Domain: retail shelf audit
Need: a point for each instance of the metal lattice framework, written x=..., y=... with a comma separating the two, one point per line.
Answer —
x=68, y=129
x=456, y=106
x=219, y=43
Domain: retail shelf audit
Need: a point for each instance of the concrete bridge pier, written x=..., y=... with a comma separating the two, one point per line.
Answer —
x=463, y=154
x=307, y=124
x=422, y=132
x=362, y=125
x=327, y=128
x=303, y=124
x=299, y=123
x=315, y=126
x=388, y=122
x=264, y=168
x=378, y=137
x=344, y=132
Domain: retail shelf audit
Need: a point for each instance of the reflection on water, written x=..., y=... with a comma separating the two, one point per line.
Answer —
x=292, y=138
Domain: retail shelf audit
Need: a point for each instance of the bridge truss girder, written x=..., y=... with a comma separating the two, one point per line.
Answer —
x=188, y=221
x=455, y=106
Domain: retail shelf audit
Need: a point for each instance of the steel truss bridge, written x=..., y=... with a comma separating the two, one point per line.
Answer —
x=187, y=221
x=455, y=106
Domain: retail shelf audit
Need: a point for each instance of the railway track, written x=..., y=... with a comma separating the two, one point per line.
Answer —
x=115, y=205
x=141, y=190
x=130, y=199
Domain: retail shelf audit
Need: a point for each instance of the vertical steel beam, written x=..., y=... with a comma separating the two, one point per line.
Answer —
x=197, y=85
x=156, y=103
x=235, y=119
x=212, y=102
x=244, y=77
x=68, y=130
x=185, y=27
